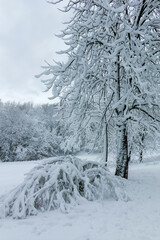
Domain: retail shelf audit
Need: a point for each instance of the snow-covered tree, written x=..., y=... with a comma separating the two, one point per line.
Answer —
x=27, y=132
x=112, y=69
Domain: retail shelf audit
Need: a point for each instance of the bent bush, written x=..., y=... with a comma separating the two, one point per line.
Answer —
x=61, y=183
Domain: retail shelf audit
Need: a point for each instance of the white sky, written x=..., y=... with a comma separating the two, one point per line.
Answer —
x=27, y=38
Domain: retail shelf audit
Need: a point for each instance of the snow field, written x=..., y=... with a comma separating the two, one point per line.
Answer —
x=137, y=219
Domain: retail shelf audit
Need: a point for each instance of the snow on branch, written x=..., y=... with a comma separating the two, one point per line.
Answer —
x=61, y=183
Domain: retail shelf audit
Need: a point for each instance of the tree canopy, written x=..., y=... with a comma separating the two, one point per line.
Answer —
x=112, y=69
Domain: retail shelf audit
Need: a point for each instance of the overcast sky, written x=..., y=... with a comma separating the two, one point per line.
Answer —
x=27, y=38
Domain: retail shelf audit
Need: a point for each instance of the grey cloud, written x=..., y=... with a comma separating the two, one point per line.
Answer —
x=27, y=38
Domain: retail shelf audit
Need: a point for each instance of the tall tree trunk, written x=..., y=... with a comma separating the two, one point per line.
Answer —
x=141, y=156
x=122, y=156
x=141, y=148
x=106, y=144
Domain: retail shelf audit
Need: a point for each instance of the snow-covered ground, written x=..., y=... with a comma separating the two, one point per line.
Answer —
x=137, y=219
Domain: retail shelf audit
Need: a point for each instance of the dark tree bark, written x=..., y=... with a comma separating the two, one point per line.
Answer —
x=106, y=145
x=141, y=156
x=122, y=157
x=141, y=148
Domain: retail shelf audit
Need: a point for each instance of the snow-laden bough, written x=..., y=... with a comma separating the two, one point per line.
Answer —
x=61, y=182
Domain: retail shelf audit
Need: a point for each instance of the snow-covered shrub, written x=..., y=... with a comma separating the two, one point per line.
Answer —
x=60, y=183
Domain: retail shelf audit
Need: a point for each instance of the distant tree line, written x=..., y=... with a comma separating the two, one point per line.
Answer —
x=29, y=132
x=32, y=132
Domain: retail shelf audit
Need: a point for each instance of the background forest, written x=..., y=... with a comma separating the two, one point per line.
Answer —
x=32, y=132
